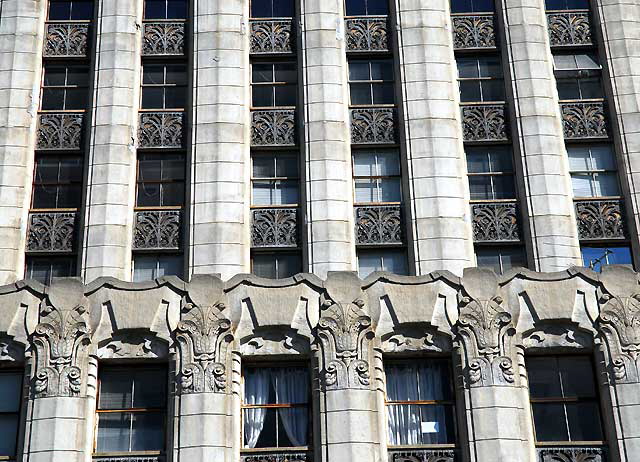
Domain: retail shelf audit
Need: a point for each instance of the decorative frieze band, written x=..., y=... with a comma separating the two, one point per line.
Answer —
x=128, y=459
x=495, y=222
x=379, y=224
x=367, y=34
x=569, y=29
x=65, y=40
x=273, y=127
x=584, y=120
x=51, y=232
x=474, y=31
x=484, y=122
x=422, y=455
x=600, y=219
x=163, y=39
x=277, y=457
x=157, y=229
x=274, y=227
x=373, y=126
x=60, y=130
x=272, y=36
x=572, y=454
x=161, y=130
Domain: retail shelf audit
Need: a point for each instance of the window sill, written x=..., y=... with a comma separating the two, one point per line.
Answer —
x=128, y=454
x=545, y=444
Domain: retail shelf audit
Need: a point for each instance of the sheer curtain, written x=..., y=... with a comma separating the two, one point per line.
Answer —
x=256, y=392
x=292, y=387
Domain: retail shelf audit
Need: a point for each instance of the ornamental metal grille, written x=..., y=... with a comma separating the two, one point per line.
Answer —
x=129, y=459
x=60, y=130
x=584, y=120
x=367, y=34
x=485, y=122
x=285, y=457
x=271, y=36
x=274, y=227
x=373, y=126
x=51, y=232
x=569, y=29
x=572, y=454
x=600, y=219
x=273, y=127
x=474, y=31
x=161, y=129
x=163, y=39
x=66, y=40
x=495, y=222
x=157, y=229
x=422, y=455
x=379, y=224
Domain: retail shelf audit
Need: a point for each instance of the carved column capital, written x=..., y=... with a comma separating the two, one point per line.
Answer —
x=204, y=335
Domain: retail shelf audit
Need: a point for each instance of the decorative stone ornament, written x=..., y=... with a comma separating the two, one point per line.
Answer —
x=204, y=336
x=572, y=454
x=61, y=341
x=345, y=334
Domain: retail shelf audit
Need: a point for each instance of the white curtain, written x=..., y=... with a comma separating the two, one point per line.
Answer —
x=256, y=392
x=292, y=387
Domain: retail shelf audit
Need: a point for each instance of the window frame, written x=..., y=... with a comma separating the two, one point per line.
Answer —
x=479, y=56
x=468, y=13
x=73, y=21
x=372, y=82
x=274, y=83
x=19, y=413
x=378, y=178
x=164, y=64
x=276, y=253
x=56, y=184
x=273, y=180
x=588, y=9
x=500, y=246
x=157, y=254
x=267, y=18
x=594, y=172
x=160, y=182
x=603, y=244
x=384, y=248
x=51, y=258
x=492, y=174
x=165, y=19
x=366, y=15
x=65, y=87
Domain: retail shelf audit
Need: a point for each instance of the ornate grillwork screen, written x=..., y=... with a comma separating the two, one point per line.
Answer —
x=572, y=454
x=600, y=219
x=373, y=126
x=274, y=227
x=129, y=459
x=423, y=455
x=157, y=229
x=273, y=127
x=161, y=129
x=367, y=34
x=51, y=232
x=584, y=120
x=163, y=38
x=484, y=122
x=379, y=224
x=66, y=40
x=474, y=31
x=495, y=222
x=569, y=29
x=60, y=130
x=277, y=457
x=272, y=36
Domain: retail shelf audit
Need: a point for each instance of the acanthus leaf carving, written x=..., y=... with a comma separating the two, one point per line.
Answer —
x=163, y=38
x=474, y=31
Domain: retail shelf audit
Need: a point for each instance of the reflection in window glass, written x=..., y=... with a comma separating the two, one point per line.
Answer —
x=275, y=179
x=165, y=9
x=70, y=10
x=390, y=260
x=500, y=259
x=64, y=88
x=44, y=269
x=597, y=256
x=567, y=4
x=276, y=265
x=272, y=9
x=11, y=392
x=472, y=6
x=376, y=176
x=490, y=172
x=150, y=267
x=367, y=7
x=480, y=79
x=274, y=84
x=57, y=182
x=371, y=82
x=593, y=171
x=160, y=180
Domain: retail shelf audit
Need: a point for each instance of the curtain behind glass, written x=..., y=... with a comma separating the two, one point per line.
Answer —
x=292, y=387
x=256, y=392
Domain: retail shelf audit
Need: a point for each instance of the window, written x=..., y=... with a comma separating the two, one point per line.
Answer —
x=149, y=267
x=275, y=179
x=272, y=9
x=371, y=81
x=500, y=259
x=160, y=180
x=367, y=7
x=165, y=9
x=472, y=6
x=567, y=4
x=390, y=260
x=274, y=84
x=65, y=88
x=57, y=183
x=420, y=404
x=578, y=76
x=131, y=409
x=11, y=390
x=593, y=171
x=164, y=86
x=44, y=269
x=595, y=257
x=275, y=410
x=480, y=79
x=490, y=172
x=67, y=10
x=564, y=400
x=276, y=265
x=376, y=176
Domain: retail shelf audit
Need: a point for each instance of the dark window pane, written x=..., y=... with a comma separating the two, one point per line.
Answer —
x=11, y=392
x=261, y=8
x=150, y=168
x=152, y=98
x=78, y=76
x=288, y=265
x=480, y=188
x=556, y=4
x=54, y=76
x=492, y=90
x=360, y=93
x=148, y=195
x=264, y=265
x=544, y=379
x=9, y=431
x=173, y=168
x=477, y=160
x=568, y=89
x=577, y=377
x=47, y=170
x=584, y=421
x=490, y=67
x=549, y=422
x=501, y=159
x=149, y=388
x=116, y=388
x=577, y=4
x=82, y=10
x=154, y=9
x=176, y=75
x=261, y=73
x=286, y=72
x=461, y=6
x=287, y=166
x=44, y=269
x=113, y=432
x=176, y=9
x=172, y=194
x=69, y=196
x=377, y=7
x=513, y=257
x=285, y=95
x=45, y=197
x=70, y=169
x=356, y=7
x=59, y=10
x=147, y=433
x=470, y=91
x=268, y=437
x=359, y=70
x=382, y=70
x=76, y=98
x=52, y=99
x=488, y=258
x=263, y=166
x=483, y=6
x=504, y=187
x=467, y=68
x=153, y=75
x=283, y=8
x=262, y=96
x=383, y=93
x=174, y=97
x=591, y=88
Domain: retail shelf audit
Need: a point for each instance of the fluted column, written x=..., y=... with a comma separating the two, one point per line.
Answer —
x=438, y=188
x=543, y=161
x=329, y=190
x=113, y=136
x=20, y=48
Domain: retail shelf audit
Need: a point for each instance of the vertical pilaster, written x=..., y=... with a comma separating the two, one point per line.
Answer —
x=219, y=235
x=547, y=196
x=112, y=156
x=20, y=48
x=438, y=188
x=328, y=173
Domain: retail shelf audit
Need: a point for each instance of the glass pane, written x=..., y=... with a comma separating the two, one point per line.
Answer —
x=283, y=9
x=150, y=167
x=170, y=265
x=291, y=384
x=461, y=6
x=579, y=158
x=437, y=425
x=504, y=187
x=602, y=157
x=480, y=187
x=544, y=379
x=377, y=7
x=492, y=90
x=584, y=421
x=45, y=197
x=564, y=62
x=47, y=170
x=262, y=192
x=488, y=258
x=292, y=427
x=113, y=432
x=264, y=265
x=288, y=265
x=286, y=72
x=173, y=167
x=69, y=196
x=174, y=97
x=482, y=6
x=395, y=261
x=577, y=4
x=9, y=431
x=490, y=67
x=364, y=163
x=52, y=99
x=176, y=9
x=71, y=169
x=59, y=11
x=265, y=437
x=467, y=68
x=154, y=9
x=388, y=163
x=513, y=257
x=152, y=98
x=383, y=93
x=264, y=166
x=366, y=191
x=470, y=91
x=356, y=7
x=286, y=165
x=285, y=95
x=390, y=190
x=420, y=424
x=287, y=192
x=382, y=69
x=176, y=75
x=501, y=159
x=148, y=195
x=590, y=88
x=11, y=391
x=54, y=76
x=368, y=262
x=477, y=160
x=144, y=268
x=76, y=98
x=116, y=387
x=262, y=96
x=587, y=61
x=549, y=422
x=261, y=8
x=172, y=194
x=576, y=373
x=153, y=75
x=597, y=256
x=360, y=93
x=606, y=184
x=582, y=184
x=38, y=269
x=262, y=73
x=568, y=89
x=148, y=431
x=359, y=70
x=78, y=76
x=149, y=388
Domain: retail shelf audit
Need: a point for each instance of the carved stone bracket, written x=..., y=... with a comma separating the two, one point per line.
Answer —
x=161, y=129
x=572, y=454
x=569, y=29
x=367, y=34
x=379, y=225
x=163, y=39
x=66, y=40
x=373, y=126
x=204, y=335
x=51, y=232
x=271, y=36
x=132, y=345
x=277, y=457
x=345, y=334
x=60, y=130
x=600, y=219
x=584, y=120
x=274, y=227
x=494, y=222
x=157, y=229
x=484, y=122
x=474, y=31
x=274, y=127
x=422, y=455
